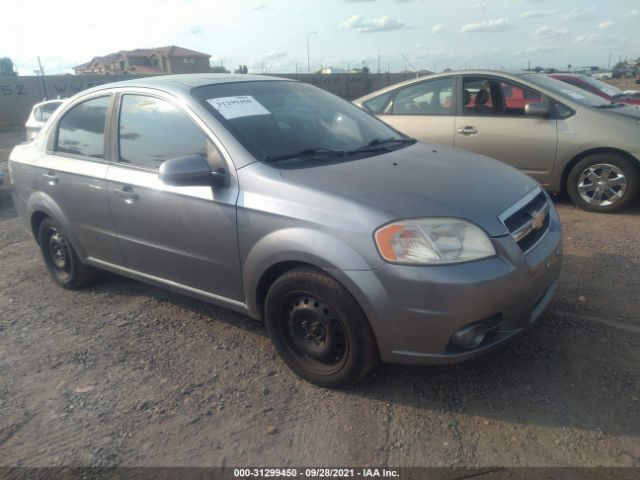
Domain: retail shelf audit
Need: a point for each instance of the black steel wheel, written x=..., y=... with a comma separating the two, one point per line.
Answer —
x=60, y=257
x=319, y=329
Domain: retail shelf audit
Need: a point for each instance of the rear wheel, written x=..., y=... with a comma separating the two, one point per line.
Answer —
x=603, y=182
x=319, y=329
x=61, y=259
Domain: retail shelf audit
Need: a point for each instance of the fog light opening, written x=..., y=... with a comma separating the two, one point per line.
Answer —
x=469, y=337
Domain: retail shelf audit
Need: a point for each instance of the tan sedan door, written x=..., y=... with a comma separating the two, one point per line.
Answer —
x=491, y=121
x=424, y=110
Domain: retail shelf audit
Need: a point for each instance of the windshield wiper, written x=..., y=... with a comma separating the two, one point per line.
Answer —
x=378, y=143
x=610, y=105
x=305, y=152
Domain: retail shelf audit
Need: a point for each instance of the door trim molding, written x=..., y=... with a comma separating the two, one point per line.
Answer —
x=171, y=285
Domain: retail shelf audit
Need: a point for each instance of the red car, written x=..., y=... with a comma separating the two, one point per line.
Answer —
x=598, y=87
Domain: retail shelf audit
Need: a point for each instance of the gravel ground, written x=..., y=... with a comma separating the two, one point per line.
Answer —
x=128, y=374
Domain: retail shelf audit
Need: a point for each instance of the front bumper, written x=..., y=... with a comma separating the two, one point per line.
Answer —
x=415, y=310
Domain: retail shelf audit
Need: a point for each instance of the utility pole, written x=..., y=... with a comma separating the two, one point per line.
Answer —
x=308, y=54
x=44, y=80
x=414, y=68
x=378, y=60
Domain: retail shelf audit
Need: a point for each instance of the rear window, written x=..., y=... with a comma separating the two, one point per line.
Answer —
x=81, y=129
x=377, y=104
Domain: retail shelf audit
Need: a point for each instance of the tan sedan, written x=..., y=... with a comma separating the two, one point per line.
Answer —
x=566, y=138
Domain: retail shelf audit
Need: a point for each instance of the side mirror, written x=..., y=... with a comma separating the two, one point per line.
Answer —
x=191, y=171
x=537, y=109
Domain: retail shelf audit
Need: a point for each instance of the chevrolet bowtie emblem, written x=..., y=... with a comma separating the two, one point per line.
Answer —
x=537, y=219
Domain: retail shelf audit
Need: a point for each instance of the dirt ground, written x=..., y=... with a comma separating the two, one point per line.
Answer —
x=128, y=374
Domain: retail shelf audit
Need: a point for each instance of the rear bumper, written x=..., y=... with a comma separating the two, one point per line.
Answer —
x=414, y=311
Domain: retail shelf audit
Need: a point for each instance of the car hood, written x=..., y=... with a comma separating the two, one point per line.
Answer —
x=425, y=180
x=631, y=111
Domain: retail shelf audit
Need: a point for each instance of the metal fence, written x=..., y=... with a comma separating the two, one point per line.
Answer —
x=18, y=94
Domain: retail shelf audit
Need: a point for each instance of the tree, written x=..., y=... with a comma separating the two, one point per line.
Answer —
x=241, y=69
x=6, y=66
x=219, y=69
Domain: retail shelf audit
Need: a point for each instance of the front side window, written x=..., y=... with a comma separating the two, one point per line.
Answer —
x=81, y=129
x=517, y=97
x=433, y=97
x=152, y=130
x=489, y=96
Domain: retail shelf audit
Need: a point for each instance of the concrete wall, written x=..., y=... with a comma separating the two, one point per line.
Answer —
x=19, y=94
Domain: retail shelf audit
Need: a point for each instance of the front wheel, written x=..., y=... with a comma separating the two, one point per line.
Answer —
x=603, y=182
x=319, y=329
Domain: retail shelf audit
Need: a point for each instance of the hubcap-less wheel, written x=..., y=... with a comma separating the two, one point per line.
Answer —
x=602, y=184
x=315, y=334
x=59, y=254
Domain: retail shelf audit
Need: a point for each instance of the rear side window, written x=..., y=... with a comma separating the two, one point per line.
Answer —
x=377, y=104
x=433, y=97
x=81, y=129
x=152, y=130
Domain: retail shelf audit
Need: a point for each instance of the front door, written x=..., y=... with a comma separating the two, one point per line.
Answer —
x=184, y=235
x=491, y=121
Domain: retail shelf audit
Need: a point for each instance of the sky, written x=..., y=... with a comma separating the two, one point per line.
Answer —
x=271, y=35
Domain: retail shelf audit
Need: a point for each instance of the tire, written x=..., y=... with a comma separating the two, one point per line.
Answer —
x=319, y=329
x=61, y=259
x=620, y=188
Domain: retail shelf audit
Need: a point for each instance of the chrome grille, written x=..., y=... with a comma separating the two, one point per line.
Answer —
x=528, y=219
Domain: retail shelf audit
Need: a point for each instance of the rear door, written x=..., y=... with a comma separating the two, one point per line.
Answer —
x=73, y=172
x=424, y=110
x=184, y=235
x=491, y=121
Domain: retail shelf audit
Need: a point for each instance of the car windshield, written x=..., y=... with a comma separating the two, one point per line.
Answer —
x=294, y=124
x=605, y=88
x=566, y=90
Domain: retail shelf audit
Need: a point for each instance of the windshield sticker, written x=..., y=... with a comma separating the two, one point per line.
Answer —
x=573, y=94
x=236, y=107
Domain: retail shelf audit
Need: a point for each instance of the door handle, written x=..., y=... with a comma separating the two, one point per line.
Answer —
x=127, y=194
x=468, y=130
x=51, y=178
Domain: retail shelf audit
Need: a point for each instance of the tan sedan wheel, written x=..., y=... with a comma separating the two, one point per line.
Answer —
x=603, y=182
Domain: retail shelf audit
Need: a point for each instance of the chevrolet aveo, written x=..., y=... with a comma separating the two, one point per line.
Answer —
x=351, y=241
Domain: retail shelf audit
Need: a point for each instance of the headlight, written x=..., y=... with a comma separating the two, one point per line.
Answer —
x=426, y=241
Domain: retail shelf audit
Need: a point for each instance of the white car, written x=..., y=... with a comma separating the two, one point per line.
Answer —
x=39, y=115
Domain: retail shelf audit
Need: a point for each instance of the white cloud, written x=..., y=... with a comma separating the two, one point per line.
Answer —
x=480, y=6
x=384, y=24
x=586, y=38
x=439, y=28
x=606, y=24
x=580, y=14
x=537, y=13
x=545, y=31
x=274, y=55
x=632, y=13
x=262, y=6
x=498, y=25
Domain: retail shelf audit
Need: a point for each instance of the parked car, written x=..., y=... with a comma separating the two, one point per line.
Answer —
x=566, y=138
x=602, y=89
x=279, y=200
x=40, y=113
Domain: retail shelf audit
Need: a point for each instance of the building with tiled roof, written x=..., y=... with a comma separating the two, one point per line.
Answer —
x=147, y=61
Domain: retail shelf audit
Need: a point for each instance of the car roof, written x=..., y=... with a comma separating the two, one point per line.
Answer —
x=185, y=82
x=514, y=74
